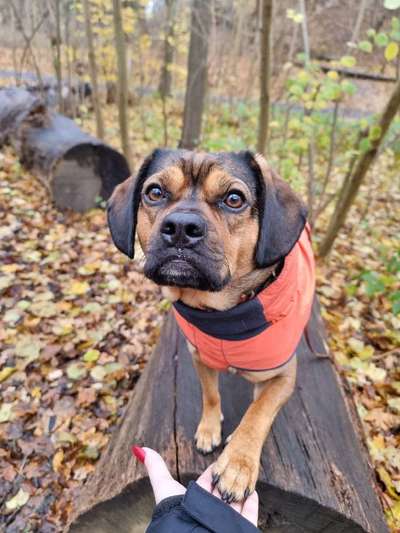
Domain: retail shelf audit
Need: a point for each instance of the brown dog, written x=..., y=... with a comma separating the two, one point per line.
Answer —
x=216, y=230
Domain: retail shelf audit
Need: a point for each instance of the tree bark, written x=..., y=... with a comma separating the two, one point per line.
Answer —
x=265, y=74
x=314, y=473
x=197, y=74
x=57, y=61
x=93, y=70
x=75, y=168
x=351, y=185
x=169, y=49
x=123, y=96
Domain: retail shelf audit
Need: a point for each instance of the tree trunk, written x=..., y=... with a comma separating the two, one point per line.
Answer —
x=169, y=48
x=122, y=79
x=265, y=74
x=314, y=473
x=351, y=185
x=57, y=61
x=197, y=74
x=93, y=70
x=76, y=169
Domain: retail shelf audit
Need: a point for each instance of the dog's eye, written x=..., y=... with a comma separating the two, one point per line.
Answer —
x=234, y=200
x=154, y=193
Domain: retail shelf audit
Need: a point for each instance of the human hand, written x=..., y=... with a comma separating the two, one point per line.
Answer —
x=164, y=485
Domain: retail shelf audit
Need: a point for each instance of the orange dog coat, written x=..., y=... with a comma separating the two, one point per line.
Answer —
x=261, y=333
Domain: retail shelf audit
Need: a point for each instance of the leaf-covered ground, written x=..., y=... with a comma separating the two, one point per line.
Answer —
x=359, y=288
x=79, y=322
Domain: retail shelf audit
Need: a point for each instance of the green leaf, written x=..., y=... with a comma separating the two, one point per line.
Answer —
x=113, y=367
x=391, y=51
x=373, y=284
x=348, y=87
x=348, y=61
x=91, y=356
x=396, y=23
x=92, y=307
x=365, y=145
x=391, y=4
x=381, y=39
x=296, y=90
x=365, y=46
x=28, y=347
x=395, y=299
x=371, y=33
x=374, y=133
x=19, y=500
x=76, y=371
x=395, y=35
x=91, y=452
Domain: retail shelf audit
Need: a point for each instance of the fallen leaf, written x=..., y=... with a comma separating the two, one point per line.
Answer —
x=91, y=356
x=19, y=500
x=76, y=371
x=6, y=372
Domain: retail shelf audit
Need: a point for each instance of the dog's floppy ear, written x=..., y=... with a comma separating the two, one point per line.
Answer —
x=282, y=215
x=122, y=208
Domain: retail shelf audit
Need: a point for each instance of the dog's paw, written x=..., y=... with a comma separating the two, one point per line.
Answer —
x=235, y=473
x=208, y=435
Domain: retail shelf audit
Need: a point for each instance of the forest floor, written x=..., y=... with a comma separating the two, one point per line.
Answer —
x=79, y=322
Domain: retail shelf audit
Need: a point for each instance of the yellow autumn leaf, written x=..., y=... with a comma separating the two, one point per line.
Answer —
x=77, y=288
x=391, y=51
x=6, y=373
x=57, y=460
x=387, y=481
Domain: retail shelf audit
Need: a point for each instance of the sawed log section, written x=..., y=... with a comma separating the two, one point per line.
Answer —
x=76, y=168
x=314, y=477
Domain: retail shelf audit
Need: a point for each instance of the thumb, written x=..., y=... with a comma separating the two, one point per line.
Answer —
x=164, y=485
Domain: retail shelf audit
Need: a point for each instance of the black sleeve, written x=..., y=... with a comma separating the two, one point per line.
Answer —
x=197, y=511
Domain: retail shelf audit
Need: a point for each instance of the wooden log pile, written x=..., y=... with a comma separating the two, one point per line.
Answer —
x=315, y=475
x=75, y=167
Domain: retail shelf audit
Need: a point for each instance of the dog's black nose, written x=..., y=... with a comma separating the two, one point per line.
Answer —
x=185, y=229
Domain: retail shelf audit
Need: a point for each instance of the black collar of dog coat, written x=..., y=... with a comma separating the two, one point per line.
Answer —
x=244, y=321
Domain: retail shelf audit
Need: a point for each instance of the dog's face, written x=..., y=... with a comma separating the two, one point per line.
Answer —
x=204, y=219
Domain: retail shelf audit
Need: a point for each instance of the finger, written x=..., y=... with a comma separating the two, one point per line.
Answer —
x=250, y=508
x=164, y=485
x=206, y=482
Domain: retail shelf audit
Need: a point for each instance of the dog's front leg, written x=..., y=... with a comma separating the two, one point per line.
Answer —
x=208, y=434
x=236, y=471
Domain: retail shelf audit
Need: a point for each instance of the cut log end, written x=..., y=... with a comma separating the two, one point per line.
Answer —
x=86, y=174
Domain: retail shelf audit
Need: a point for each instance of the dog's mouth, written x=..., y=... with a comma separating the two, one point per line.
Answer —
x=180, y=273
x=184, y=270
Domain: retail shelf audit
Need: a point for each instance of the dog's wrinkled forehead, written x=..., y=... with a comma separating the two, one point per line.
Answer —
x=197, y=166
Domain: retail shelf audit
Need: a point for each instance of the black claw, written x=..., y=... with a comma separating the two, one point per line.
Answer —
x=231, y=498
x=214, y=480
x=246, y=493
x=225, y=496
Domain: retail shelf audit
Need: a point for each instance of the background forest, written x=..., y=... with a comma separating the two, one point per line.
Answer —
x=312, y=84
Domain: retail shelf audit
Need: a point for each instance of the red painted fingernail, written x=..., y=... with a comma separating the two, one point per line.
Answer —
x=139, y=453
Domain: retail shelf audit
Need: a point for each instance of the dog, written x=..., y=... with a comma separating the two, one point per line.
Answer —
x=228, y=241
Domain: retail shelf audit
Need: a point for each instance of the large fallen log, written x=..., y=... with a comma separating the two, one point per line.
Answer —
x=352, y=73
x=315, y=475
x=76, y=168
